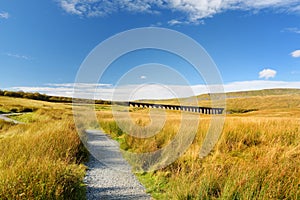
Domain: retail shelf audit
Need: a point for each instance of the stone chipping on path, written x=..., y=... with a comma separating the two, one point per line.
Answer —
x=111, y=178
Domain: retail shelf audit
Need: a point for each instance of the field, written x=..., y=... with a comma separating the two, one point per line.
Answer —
x=42, y=158
x=256, y=157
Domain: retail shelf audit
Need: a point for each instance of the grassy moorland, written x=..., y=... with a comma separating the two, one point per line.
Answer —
x=41, y=158
x=256, y=157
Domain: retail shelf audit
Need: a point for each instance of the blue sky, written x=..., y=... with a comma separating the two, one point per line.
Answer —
x=255, y=44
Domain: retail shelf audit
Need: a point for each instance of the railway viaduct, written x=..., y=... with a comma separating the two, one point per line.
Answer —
x=196, y=109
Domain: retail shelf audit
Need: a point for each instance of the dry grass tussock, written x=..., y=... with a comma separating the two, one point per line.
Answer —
x=40, y=159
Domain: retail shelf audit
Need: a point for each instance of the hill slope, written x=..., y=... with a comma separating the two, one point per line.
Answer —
x=271, y=100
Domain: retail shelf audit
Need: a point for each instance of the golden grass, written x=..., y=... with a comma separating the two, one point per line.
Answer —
x=41, y=159
x=256, y=157
x=8, y=103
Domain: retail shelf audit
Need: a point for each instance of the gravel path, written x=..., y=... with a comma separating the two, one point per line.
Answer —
x=5, y=118
x=111, y=178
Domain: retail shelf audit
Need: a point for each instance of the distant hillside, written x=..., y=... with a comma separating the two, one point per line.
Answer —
x=273, y=100
x=265, y=92
x=242, y=94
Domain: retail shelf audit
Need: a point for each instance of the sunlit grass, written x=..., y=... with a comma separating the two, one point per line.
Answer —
x=256, y=157
x=40, y=159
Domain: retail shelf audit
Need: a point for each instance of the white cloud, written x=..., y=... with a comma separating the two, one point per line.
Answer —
x=70, y=7
x=267, y=73
x=174, y=22
x=18, y=56
x=259, y=85
x=143, y=77
x=153, y=91
x=295, y=9
x=296, y=54
x=4, y=15
x=292, y=30
x=84, y=90
x=194, y=10
x=81, y=85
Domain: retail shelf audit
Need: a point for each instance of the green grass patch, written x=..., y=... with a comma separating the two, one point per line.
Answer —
x=102, y=107
x=155, y=184
x=26, y=118
x=3, y=110
x=241, y=110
